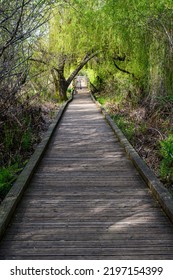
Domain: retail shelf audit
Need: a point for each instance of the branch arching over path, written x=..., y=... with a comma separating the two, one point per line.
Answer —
x=60, y=82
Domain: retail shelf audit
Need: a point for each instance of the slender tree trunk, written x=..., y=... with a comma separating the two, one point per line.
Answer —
x=63, y=86
x=60, y=84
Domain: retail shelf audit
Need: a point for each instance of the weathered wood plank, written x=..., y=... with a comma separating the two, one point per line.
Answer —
x=92, y=251
x=86, y=257
x=88, y=243
x=66, y=236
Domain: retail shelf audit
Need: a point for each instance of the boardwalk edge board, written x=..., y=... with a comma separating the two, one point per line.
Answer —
x=161, y=194
x=11, y=200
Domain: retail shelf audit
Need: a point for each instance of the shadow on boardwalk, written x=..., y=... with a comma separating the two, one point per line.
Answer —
x=86, y=200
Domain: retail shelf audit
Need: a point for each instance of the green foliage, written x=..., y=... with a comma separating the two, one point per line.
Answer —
x=138, y=31
x=27, y=139
x=102, y=99
x=7, y=177
x=165, y=100
x=125, y=125
x=18, y=137
x=142, y=128
x=166, y=166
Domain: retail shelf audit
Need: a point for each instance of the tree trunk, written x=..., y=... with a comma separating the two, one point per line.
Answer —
x=63, y=84
x=56, y=83
x=60, y=83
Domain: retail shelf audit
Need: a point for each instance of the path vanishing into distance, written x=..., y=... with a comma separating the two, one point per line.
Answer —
x=86, y=200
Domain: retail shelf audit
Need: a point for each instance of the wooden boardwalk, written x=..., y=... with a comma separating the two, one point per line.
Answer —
x=86, y=200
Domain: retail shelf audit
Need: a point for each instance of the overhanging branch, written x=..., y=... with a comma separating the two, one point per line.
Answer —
x=84, y=61
x=39, y=61
x=124, y=71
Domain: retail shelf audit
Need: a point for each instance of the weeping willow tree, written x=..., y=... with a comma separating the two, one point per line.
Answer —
x=134, y=38
x=161, y=51
x=141, y=37
x=70, y=43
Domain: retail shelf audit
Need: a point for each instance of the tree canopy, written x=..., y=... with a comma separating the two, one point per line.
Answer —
x=131, y=37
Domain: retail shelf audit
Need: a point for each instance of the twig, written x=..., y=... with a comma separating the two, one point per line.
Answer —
x=152, y=128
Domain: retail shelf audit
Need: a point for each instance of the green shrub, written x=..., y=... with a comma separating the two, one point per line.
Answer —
x=102, y=100
x=125, y=125
x=7, y=177
x=27, y=140
x=166, y=166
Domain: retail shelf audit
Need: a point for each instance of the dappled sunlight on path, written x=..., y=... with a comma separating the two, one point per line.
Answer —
x=86, y=200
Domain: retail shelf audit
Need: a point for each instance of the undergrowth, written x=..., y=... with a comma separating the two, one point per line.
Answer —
x=166, y=151
x=7, y=177
x=22, y=127
x=127, y=127
x=149, y=131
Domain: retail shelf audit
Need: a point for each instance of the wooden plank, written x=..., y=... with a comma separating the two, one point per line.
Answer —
x=67, y=236
x=87, y=257
x=92, y=251
x=88, y=244
x=65, y=217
